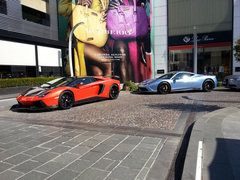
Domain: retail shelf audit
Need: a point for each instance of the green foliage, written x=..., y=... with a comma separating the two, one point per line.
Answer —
x=236, y=48
x=219, y=84
x=24, y=81
x=132, y=86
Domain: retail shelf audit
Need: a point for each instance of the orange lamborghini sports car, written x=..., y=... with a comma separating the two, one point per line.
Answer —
x=65, y=92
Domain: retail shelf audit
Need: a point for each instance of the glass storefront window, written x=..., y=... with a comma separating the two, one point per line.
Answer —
x=217, y=61
x=213, y=61
x=181, y=60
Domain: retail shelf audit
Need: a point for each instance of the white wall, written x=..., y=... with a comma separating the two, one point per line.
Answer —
x=236, y=30
x=20, y=54
x=160, y=35
x=49, y=56
x=12, y=53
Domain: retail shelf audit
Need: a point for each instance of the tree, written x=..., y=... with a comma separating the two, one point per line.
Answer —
x=236, y=48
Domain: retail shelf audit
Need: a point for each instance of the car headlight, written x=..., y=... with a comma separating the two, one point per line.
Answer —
x=43, y=94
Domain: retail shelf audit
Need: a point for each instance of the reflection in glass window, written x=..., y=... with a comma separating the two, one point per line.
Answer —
x=35, y=16
x=181, y=60
x=3, y=7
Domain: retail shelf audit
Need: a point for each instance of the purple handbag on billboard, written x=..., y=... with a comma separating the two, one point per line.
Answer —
x=127, y=21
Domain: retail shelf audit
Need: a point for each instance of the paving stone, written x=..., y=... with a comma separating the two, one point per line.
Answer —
x=80, y=150
x=9, y=145
x=125, y=148
x=111, y=141
x=34, y=176
x=149, y=140
x=115, y=155
x=92, y=156
x=35, y=151
x=81, y=138
x=93, y=174
x=50, y=167
x=133, y=163
x=146, y=147
x=27, y=166
x=10, y=175
x=141, y=154
x=102, y=148
x=4, y=166
x=106, y=164
x=143, y=173
x=16, y=150
x=50, y=144
x=4, y=155
x=24, y=139
x=31, y=144
x=90, y=143
x=134, y=140
x=79, y=166
x=44, y=139
x=64, y=174
x=45, y=157
x=123, y=173
x=19, y=158
x=66, y=158
x=60, y=149
x=62, y=139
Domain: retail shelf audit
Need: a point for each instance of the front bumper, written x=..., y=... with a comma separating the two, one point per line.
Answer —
x=231, y=83
x=35, y=106
x=145, y=88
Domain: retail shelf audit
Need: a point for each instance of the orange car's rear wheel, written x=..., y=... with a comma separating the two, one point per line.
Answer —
x=66, y=100
x=114, y=91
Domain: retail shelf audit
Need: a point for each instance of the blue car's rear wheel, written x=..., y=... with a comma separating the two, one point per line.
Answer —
x=208, y=86
x=163, y=88
x=66, y=100
x=114, y=91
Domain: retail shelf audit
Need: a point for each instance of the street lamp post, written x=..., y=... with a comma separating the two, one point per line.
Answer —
x=195, y=49
x=70, y=47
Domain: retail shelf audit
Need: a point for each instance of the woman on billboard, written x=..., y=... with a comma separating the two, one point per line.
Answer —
x=89, y=49
x=128, y=23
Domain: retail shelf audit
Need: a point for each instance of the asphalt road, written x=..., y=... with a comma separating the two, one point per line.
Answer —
x=168, y=117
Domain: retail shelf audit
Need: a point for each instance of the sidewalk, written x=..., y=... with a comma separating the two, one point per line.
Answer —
x=220, y=133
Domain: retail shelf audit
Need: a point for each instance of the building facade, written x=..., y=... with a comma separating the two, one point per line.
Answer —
x=217, y=26
x=32, y=38
x=29, y=42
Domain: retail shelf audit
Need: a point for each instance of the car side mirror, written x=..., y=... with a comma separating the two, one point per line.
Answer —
x=176, y=78
x=79, y=85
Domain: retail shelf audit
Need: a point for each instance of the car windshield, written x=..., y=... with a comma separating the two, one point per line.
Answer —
x=167, y=76
x=57, y=82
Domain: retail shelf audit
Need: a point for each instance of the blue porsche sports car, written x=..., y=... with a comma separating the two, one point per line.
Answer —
x=179, y=81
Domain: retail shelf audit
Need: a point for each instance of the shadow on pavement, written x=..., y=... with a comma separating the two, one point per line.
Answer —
x=226, y=160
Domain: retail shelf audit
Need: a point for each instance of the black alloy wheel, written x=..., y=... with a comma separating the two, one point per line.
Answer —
x=114, y=91
x=207, y=86
x=66, y=100
x=163, y=88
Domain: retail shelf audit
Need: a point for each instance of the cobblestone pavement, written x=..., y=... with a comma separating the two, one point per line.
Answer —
x=46, y=152
x=133, y=137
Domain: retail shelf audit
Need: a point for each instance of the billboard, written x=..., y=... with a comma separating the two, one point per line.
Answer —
x=110, y=37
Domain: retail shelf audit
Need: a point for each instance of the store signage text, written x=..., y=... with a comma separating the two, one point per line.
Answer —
x=204, y=38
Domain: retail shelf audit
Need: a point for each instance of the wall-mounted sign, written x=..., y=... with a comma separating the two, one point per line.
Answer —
x=160, y=71
x=237, y=69
x=202, y=38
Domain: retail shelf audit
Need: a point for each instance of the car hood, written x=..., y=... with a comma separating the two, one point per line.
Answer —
x=149, y=81
x=34, y=91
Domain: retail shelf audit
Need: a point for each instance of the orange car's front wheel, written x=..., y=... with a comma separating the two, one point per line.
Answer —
x=66, y=100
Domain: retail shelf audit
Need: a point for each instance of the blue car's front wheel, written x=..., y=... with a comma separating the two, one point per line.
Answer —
x=208, y=86
x=163, y=88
